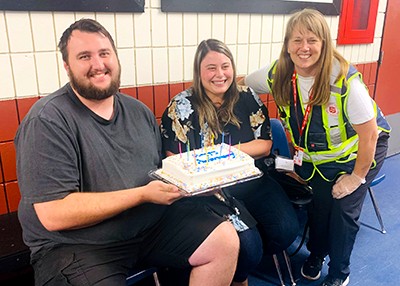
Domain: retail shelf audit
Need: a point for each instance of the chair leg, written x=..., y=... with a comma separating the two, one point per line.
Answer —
x=156, y=281
x=303, y=239
x=278, y=269
x=376, y=208
x=289, y=267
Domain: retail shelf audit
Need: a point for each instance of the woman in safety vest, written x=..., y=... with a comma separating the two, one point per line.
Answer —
x=338, y=133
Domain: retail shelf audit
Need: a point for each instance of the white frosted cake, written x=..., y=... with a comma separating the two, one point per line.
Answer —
x=205, y=168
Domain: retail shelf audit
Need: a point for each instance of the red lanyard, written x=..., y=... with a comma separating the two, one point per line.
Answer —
x=308, y=108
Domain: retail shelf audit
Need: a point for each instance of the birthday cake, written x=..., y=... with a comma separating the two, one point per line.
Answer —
x=207, y=168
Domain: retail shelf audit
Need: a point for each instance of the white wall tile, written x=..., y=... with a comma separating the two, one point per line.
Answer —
x=362, y=54
x=175, y=29
x=124, y=28
x=278, y=29
x=242, y=59
x=81, y=15
x=218, y=27
x=265, y=56
x=382, y=6
x=6, y=78
x=255, y=28
x=160, y=65
x=144, y=67
x=347, y=50
x=175, y=64
x=142, y=26
x=275, y=50
x=62, y=73
x=233, y=49
x=43, y=31
x=204, y=27
x=340, y=49
x=354, y=54
x=24, y=73
x=19, y=32
x=369, y=52
x=107, y=20
x=266, y=29
x=334, y=26
x=380, y=21
x=158, y=28
x=189, y=29
x=188, y=59
x=254, y=57
x=3, y=34
x=153, y=3
x=128, y=67
x=47, y=72
x=231, y=29
x=243, y=28
x=61, y=22
x=376, y=49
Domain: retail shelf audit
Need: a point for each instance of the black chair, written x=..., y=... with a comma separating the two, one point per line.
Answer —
x=138, y=275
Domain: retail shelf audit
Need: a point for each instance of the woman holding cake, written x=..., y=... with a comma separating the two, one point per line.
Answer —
x=214, y=110
x=338, y=132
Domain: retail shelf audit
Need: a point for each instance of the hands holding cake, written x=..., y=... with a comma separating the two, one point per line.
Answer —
x=158, y=192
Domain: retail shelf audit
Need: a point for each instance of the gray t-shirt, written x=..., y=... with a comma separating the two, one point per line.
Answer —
x=63, y=147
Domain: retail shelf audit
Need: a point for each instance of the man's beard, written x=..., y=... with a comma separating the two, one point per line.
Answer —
x=89, y=91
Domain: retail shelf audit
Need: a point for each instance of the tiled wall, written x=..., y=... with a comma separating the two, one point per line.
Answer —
x=154, y=47
x=156, y=51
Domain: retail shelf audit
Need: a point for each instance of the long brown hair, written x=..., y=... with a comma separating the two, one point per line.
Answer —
x=216, y=118
x=313, y=21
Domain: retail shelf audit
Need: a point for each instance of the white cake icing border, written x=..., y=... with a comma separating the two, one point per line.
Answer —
x=249, y=171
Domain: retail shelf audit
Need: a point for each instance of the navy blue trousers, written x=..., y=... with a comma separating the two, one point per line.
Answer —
x=334, y=224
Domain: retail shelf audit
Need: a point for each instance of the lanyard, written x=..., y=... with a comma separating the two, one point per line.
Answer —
x=308, y=108
x=220, y=195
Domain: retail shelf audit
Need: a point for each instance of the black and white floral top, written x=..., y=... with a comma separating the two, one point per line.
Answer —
x=180, y=123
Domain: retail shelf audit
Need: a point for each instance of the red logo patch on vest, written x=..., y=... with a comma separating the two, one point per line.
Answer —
x=332, y=109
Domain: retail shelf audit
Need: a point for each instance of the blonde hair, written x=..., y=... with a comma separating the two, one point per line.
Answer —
x=208, y=113
x=313, y=21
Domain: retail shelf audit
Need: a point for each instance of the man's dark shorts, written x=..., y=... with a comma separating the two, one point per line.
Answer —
x=184, y=226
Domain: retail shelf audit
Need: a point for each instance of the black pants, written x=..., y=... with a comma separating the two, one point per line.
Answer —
x=334, y=223
x=169, y=243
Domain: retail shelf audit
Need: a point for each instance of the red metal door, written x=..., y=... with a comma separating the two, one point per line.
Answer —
x=387, y=93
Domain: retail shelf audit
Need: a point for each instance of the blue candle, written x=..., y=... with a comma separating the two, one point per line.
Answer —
x=188, y=149
x=220, y=148
x=202, y=139
x=230, y=143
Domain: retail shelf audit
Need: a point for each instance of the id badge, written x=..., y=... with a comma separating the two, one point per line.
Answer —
x=298, y=156
x=237, y=223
